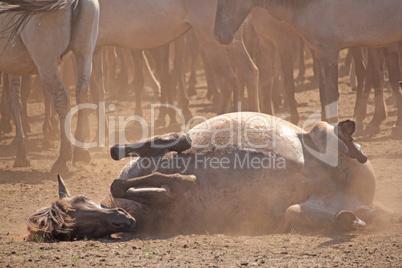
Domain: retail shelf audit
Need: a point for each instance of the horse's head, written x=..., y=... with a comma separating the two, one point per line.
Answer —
x=76, y=217
x=230, y=15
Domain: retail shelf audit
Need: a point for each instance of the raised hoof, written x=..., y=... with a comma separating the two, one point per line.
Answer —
x=396, y=132
x=372, y=130
x=346, y=221
x=81, y=156
x=21, y=162
x=59, y=167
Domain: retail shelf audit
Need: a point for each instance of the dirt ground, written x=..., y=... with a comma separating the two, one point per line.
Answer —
x=24, y=190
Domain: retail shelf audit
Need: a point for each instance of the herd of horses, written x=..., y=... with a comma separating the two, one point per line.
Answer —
x=37, y=34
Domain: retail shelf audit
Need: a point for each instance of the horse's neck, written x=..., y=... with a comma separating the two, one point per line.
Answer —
x=281, y=12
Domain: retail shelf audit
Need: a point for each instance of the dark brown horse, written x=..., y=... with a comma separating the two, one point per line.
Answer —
x=77, y=217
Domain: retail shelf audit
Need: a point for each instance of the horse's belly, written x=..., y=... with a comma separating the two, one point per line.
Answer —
x=16, y=60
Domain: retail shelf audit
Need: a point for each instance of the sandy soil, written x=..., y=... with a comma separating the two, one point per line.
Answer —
x=24, y=190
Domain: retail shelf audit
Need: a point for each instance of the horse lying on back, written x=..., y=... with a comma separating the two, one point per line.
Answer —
x=239, y=173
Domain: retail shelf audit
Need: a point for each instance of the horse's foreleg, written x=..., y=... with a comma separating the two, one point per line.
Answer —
x=376, y=73
x=139, y=80
x=97, y=91
x=153, y=189
x=361, y=101
x=15, y=106
x=150, y=78
x=329, y=93
x=285, y=55
x=265, y=60
x=392, y=61
x=245, y=70
x=212, y=91
x=5, y=124
x=193, y=50
x=179, y=73
x=223, y=73
x=161, y=56
x=302, y=66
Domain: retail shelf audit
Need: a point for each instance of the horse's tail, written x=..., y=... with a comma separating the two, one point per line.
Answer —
x=32, y=7
x=25, y=9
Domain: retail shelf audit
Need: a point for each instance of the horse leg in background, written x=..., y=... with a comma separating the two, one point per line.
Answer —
x=139, y=80
x=97, y=91
x=191, y=53
x=178, y=73
x=376, y=59
x=286, y=57
x=352, y=76
x=361, y=101
x=149, y=77
x=392, y=61
x=21, y=159
x=265, y=60
x=25, y=91
x=245, y=69
x=346, y=66
x=109, y=70
x=5, y=123
x=212, y=91
x=278, y=90
x=302, y=65
x=49, y=127
x=328, y=85
x=122, y=77
x=161, y=57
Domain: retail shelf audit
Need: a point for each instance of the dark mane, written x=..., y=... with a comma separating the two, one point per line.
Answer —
x=23, y=10
x=51, y=223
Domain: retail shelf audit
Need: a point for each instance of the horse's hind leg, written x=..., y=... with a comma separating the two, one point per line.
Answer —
x=5, y=123
x=183, y=99
x=83, y=40
x=377, y=74
x=361, y=94
x=314, y=214
x=153, y=189
x=392, y=61
x=139, y=80
x=25, y=91
x=15, y=105
x=152, y=147
x=97, y=91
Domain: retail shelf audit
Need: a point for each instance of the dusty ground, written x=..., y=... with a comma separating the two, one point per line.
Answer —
x=24, y=190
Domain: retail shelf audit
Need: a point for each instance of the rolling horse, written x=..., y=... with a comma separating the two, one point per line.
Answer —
x=239, y=173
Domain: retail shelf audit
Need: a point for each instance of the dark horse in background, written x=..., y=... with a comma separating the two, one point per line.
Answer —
x=341, y=24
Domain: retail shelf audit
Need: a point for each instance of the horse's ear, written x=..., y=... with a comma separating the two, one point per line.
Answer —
x=63, y=192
